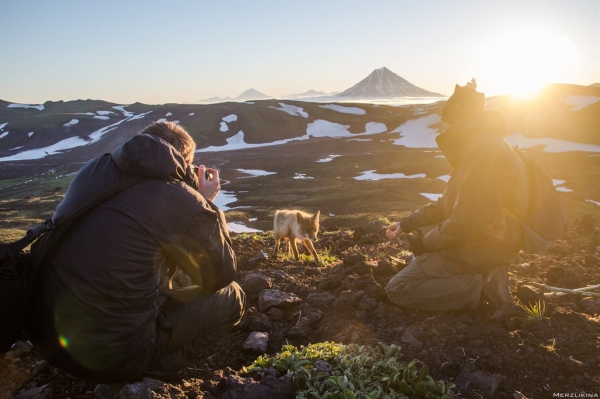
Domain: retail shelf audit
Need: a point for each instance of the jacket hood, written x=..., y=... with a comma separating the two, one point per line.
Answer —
x=151, y=156
x=459, y=136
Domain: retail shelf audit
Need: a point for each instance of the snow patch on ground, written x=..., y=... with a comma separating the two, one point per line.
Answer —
x=256, y=172
x=239, y=227
x=550, y=145
x=223, y=199
x=564, y=189
x=30, y=134
x=72, y=122
x=416, y=133
x=3, y=135
x=161, y=120
x=318, y=128
x=302, y=176
x=101, y=117
x=344, y=110
x=69, y=143
x=444, y=177
x=139, y=116
x=2, y=125
x=578, y=102
x=104, y=113
x=431, y=196
x=328, y=159
x=122, y=109
x=230, y=118
x=291, y=109
x=224, y=127
x=168, y=114
x=372, y=175
x=39, y=107
x=16, y=148
x=593, y=202
x=192, y=114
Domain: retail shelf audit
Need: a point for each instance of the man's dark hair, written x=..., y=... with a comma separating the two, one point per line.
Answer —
x=175, y=135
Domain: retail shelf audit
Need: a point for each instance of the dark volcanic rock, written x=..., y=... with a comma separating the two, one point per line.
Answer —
x=346, y=300
x=301, y=329
x=271, y=298
x=321, y=300
x=254, y=283
x=472, y=378
x=331, y=283
x=256, y=342
x=236, y=387
x=257, y=321
x=385, y=268
x=529, y=295
x=151, y=388
x=352, y=259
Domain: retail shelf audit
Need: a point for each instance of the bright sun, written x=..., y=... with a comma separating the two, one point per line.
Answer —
x=522, y=62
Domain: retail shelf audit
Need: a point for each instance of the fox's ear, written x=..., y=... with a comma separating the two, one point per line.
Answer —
x=299, y=217
x=317, y=213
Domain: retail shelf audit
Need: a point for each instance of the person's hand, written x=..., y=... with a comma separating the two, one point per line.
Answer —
x=393, y=230
x=211, y=187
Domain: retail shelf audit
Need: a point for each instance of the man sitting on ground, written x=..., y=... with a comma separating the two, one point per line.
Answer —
x=104, y=309
x=476, y=237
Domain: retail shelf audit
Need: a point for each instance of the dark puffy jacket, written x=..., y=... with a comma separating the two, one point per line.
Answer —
x=102, y=286
x=489, y=178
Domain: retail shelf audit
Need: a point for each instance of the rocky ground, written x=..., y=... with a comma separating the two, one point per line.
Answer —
x=301, y=303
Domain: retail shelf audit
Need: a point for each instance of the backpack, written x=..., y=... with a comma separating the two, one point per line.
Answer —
x=19, y=268
x=543, y=222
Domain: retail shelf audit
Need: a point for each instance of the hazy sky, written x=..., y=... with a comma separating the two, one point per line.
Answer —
x=125, y=51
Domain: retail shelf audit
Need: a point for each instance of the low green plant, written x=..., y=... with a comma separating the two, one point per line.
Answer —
x=327, y=258
x=534, y=312
x=353, y=371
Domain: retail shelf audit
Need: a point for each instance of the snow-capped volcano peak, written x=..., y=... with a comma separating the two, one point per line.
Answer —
x=382, y=83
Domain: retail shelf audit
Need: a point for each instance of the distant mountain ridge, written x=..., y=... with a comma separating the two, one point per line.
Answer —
x=248, y=95
x=383, y=83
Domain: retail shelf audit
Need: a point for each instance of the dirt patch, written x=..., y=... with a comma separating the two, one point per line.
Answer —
x=345, y=302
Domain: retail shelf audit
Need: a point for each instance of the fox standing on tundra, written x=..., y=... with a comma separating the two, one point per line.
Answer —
x=292, y=225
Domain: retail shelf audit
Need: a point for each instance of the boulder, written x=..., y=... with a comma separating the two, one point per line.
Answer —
x=529, y=295
x=471, y=378
x=256, y=321
x=331, y=283
x=272, y=298
x=254, y=283
x=151, y=388
x=256, y=342
x=346, y=300
x=301, y=329
x=409, y=338
x=275, y=314
x=321, y=300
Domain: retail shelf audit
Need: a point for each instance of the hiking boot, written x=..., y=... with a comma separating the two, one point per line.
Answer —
x=497, y=292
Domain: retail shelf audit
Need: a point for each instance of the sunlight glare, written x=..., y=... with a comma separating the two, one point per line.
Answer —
x=522, y=62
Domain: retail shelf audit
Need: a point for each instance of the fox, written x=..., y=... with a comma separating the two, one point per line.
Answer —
x=294, y=225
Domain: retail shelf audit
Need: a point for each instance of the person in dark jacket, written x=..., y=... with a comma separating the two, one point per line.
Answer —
x=105, y=309
x=476, y=238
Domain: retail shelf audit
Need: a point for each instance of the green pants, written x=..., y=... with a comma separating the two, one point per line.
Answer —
x=435, y=284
